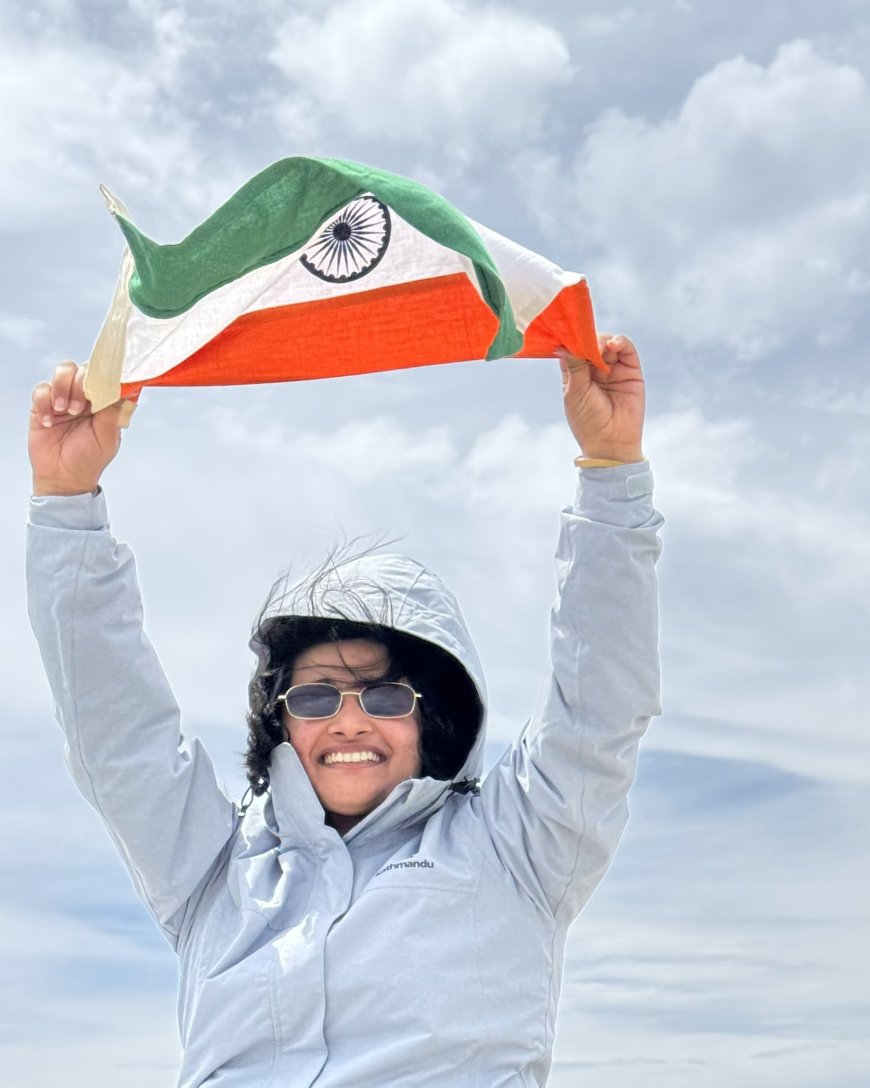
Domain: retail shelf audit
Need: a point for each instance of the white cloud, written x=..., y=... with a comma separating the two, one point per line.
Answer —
x=727, y=945
x=423, y=73
x=599, y=25
x=818, y=395
x=363, y=451
x=21, y=332
x=75, y=111
x=116, y=1040
x=739, y=220
x=59, y=939
x=765, y=584
x=709, y=485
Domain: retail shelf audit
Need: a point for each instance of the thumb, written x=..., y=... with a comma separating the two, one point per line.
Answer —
x=109, y=423
x=575, y=374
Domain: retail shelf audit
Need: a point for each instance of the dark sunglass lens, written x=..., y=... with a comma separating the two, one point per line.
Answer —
x=388, y=701
x=312, y=701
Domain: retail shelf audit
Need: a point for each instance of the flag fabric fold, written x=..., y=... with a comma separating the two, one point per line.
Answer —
x=320, y=268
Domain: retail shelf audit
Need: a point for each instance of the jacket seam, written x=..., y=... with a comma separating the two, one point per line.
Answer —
x=477, y=965
x=581, y=828
x=73, y=657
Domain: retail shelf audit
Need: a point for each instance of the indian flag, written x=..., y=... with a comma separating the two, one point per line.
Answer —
x=318, y=268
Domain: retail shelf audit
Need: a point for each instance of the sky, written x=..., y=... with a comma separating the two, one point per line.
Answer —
x=707, y=166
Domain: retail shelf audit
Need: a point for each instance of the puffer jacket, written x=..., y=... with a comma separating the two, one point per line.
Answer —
x=425, y=946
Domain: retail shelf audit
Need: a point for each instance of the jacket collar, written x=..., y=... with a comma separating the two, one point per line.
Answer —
x=295, y=815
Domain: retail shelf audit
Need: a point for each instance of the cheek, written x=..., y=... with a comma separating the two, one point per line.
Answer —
x=415, y=748
x=298, y=736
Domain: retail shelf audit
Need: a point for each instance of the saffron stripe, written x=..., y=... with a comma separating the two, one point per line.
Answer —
x=439, y=320
x=416, y=324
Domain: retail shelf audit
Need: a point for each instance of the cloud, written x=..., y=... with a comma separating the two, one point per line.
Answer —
x=88, y=981
x=125, y=1042
x=727, y=943
x=765, y=580
x=600, y=25
x=75, y=110
x=819, y=396
x=422, y=73
x=21, y=332
x=709, y=484
x=740, y=219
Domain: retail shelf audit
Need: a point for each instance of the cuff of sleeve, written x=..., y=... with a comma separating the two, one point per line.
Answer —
x=70, y=511
x=620, y=495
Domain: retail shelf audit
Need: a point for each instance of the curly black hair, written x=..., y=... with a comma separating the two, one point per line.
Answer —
x=450, y=709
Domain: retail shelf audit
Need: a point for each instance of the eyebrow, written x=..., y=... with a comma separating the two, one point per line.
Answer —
x=324, y=675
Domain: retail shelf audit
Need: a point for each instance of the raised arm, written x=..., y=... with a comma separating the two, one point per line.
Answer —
x=154, y=789
x=554, y=808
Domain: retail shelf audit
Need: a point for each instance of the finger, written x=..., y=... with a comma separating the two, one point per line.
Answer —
x=621, y=350
x=573, y=362
x=575, y=376
x=563, y=366
x=621, y=344
x=608, y=344
x=564, y=371
x=61, y=384
x=41, y=408
x=77, y=399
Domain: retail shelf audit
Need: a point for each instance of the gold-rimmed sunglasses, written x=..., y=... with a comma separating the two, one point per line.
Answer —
x=391, y=699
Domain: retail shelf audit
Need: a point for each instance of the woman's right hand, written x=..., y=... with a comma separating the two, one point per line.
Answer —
x=69, y=445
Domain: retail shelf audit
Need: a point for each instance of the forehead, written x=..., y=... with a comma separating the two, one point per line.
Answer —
x=345, y=658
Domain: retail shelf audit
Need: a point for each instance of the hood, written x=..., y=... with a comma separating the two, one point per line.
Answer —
x=391, y=590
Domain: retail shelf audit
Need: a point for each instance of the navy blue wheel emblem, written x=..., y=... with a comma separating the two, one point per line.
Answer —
x=352, y=243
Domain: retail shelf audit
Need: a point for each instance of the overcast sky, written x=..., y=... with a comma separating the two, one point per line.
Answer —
x=707, y=165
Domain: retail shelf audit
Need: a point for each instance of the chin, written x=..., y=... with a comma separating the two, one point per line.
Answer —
x=344, y=821
x=350, y=811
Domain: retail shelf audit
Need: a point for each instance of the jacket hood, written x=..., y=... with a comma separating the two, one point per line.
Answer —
x=393, y=591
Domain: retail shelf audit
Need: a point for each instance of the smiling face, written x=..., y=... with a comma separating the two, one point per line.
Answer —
x=385, y=751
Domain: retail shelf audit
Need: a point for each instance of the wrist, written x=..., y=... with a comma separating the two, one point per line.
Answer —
x=613, y=455
x=44, y=486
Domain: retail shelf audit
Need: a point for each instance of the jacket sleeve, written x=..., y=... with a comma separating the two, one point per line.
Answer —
x=155, y=790
x=555, y=806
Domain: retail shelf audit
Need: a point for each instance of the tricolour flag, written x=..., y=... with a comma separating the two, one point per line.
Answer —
x=318, y=268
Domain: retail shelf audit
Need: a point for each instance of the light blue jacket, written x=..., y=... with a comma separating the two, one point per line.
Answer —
x=425, y=947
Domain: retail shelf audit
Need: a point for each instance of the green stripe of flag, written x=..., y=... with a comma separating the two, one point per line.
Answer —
x=276, y=213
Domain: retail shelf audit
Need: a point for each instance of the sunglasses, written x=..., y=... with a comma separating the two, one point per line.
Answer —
x=387, y=700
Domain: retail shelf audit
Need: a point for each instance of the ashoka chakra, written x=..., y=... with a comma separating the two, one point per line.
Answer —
x=352, y=243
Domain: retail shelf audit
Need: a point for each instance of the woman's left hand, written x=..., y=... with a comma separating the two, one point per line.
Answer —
x=605, y=409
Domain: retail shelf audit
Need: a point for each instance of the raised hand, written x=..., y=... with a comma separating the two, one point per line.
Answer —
x=69, y=445
x=605, y=409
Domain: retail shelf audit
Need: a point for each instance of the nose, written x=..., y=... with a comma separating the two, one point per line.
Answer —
x=351, y=720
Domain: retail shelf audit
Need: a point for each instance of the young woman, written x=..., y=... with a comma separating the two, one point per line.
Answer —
x=373, y=917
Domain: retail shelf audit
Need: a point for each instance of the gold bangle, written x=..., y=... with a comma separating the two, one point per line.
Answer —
x=602, y=462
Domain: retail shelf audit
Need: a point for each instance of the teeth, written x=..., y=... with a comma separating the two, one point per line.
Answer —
x=352, y=757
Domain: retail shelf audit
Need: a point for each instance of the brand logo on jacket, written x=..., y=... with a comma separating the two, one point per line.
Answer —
x=424, y=864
